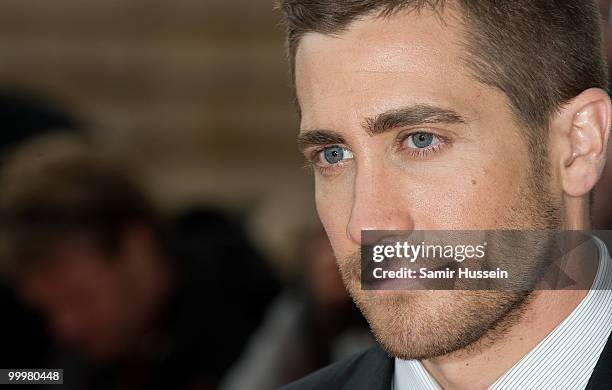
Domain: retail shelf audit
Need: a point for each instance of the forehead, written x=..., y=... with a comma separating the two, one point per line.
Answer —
x=379, y=63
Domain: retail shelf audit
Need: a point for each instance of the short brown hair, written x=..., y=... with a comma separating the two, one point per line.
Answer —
x=55, y=188
x=540, y=53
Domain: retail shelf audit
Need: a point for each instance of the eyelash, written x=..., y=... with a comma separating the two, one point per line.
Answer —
x=420, y=153
x=442, y=142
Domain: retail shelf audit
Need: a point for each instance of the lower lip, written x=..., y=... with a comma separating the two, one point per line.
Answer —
x=397, y=285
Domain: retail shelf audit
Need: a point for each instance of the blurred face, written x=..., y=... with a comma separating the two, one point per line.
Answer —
x=402, y=137
x=323, y=279
x=85, y=298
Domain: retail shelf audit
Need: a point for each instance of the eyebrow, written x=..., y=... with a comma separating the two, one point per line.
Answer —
x=408, y=116
x=311, y=138
x=414, y=115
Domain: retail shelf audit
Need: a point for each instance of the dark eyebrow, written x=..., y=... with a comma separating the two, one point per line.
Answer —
x=318, y=138
x=415, y=115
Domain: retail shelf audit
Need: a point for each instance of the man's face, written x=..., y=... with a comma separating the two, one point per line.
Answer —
x=402, y=137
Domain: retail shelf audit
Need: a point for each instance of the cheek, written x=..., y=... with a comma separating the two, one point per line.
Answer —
x=476, y=199
x=105, y=306
x=334, y=199
x=461, y=194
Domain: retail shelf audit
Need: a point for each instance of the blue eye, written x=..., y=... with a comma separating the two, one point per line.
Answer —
x=421, y=140
x=335, y=154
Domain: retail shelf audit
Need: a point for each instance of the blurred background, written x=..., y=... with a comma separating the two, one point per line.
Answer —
x=158, y=227
x=176, y=120
x=190, y=91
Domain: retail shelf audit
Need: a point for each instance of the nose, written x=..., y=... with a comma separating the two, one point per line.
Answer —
x=379, y=203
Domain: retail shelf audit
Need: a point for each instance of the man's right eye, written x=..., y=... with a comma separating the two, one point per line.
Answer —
x=332, y=155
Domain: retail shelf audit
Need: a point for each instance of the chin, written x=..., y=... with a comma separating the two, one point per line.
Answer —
x=426, y=324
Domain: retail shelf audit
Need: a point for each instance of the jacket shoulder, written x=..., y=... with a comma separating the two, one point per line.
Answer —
x=370, y=369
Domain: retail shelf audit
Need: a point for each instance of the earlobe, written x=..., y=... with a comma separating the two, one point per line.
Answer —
x=586, y=121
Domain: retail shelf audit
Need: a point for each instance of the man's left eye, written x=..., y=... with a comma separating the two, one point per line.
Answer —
x=421, y=140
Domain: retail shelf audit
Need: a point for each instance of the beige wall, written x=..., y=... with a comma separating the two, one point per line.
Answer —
x=194, y=91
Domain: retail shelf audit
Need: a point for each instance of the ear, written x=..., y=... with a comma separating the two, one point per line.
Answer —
x=581, y=130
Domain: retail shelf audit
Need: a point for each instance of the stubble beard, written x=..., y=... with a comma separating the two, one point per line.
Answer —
x=423, y=324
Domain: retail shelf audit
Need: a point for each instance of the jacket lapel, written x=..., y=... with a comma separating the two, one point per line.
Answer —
x=602, y=374
x=373, y=372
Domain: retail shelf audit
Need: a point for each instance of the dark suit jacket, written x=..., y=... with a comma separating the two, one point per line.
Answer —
x=373, y=370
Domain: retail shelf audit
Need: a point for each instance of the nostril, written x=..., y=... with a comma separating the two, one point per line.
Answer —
x=390, y=237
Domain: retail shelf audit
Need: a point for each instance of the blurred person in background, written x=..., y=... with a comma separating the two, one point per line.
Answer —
x=135, y=302
x=23, y=115
x=313, y=322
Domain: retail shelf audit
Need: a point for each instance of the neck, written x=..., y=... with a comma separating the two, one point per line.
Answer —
x=484, y=363
x=577, y=213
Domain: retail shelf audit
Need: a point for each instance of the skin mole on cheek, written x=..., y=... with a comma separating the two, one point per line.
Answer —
x=473, y=182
